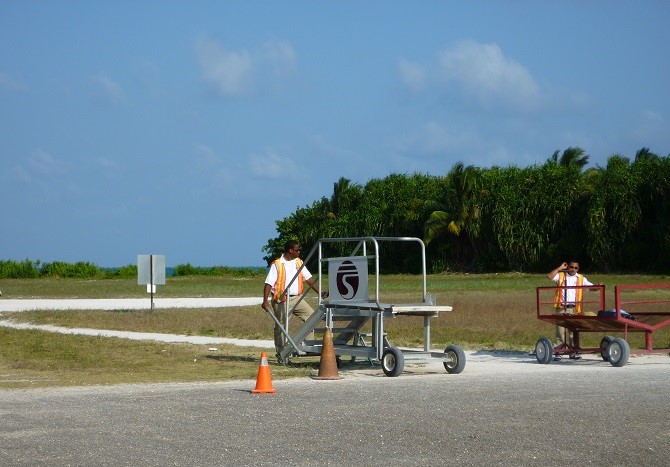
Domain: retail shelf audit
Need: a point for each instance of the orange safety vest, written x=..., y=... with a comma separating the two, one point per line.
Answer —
x=280, y=285
x=558, y=298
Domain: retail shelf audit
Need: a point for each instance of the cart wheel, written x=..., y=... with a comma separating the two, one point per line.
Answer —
x=338, y=361
x=544, y=350
x=604, y=343
x=456, y=358
x=618, y=352
x=393, y=361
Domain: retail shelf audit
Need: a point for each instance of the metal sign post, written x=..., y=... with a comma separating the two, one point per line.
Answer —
x=151, y=271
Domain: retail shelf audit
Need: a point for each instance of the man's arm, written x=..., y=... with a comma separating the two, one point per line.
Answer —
x=593, y=289
x=267, y=290
x=553, y=272
x=312, y=284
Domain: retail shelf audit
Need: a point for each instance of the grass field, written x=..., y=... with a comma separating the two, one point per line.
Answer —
x=491, y=311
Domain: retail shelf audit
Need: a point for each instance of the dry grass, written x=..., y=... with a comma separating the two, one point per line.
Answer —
x=30, y=359
x=490, y=312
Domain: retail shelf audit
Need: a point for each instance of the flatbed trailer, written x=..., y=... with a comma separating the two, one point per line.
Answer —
x=638, y=308
x=357, y=317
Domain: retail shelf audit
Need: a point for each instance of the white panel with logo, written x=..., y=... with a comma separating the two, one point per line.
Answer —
x=348, y=279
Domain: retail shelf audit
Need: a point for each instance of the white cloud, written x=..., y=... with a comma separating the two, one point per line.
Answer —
x=105, y=163
x=480, y=72
x=434, y=147
x=321, y=148
x=412, y=74
x=149, y=77
x=43, y=171
x=271, y=165
x=109, y=90
x=228, y=72
x=232, y=73
x=433, y=139
x=17, y=174
x=652, y=116
x=43, y=163
x=212, y=168
x=205, y=152
x=9, y=83
x=484, y=71
x=649, y=127
x=281, y=57
x=108, y=168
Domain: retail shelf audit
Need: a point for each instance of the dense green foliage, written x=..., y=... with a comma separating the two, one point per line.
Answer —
x=188, y=270
x=83, y=270
x=612, y=218
x=28, y=269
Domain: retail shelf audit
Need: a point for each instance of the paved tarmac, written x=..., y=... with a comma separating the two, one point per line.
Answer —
x=504, y=408
x=509, y=412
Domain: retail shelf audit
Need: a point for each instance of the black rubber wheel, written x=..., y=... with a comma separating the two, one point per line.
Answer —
x=604, y=343
x=618, y=352
x=393, y=361
x=544, y=350
x=456, y=359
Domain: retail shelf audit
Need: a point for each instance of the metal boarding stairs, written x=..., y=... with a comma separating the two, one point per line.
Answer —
x=349, y=309
x=345, y=327
x=349, y=322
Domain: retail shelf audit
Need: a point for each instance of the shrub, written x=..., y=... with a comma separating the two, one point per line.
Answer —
x=19, y=270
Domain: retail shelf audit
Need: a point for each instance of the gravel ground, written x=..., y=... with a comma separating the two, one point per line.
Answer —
x=503, y=409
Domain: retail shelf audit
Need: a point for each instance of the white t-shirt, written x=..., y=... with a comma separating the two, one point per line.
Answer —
x=290, y=267
x=569, y=294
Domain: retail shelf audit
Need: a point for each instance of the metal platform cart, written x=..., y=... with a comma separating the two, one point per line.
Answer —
x=646, y=311
x=352, y=306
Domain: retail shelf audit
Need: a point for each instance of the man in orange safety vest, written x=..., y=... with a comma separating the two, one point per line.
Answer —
x=277, y=291
x=568, y=300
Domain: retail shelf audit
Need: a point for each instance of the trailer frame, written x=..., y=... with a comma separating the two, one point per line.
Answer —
x=646, y=316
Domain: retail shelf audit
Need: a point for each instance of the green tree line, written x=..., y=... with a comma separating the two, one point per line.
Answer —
x=612, y=219
x=29, y=269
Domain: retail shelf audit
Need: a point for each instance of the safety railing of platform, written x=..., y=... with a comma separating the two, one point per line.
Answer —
x=361, y=244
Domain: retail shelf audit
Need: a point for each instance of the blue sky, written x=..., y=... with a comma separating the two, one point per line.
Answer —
x=187, y=128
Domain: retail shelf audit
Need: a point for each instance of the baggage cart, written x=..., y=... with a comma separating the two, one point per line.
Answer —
x=638, y=308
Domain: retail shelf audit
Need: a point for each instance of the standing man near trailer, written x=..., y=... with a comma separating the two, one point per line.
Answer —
x=281, y=272
x=568, y=300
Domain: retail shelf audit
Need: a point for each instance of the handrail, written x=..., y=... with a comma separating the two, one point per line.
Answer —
x=362, y=242
x=599, y=287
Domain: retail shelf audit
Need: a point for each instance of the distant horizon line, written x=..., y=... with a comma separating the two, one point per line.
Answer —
x=260, y=266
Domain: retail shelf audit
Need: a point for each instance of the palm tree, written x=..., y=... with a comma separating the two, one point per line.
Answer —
x=571, y=157
x=458, y=214
x=343, y=191
x=645, y=154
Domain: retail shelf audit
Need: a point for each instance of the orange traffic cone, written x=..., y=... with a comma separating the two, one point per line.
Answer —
x=328, y=362
x=263, y=380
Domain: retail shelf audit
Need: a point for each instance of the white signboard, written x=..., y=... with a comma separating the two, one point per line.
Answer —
x=348, y=279
x=151, y=270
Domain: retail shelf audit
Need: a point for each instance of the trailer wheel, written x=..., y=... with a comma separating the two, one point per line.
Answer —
x=604, y=344
x=618, y=352
x=544, y=350
x=456, y=359
x=393, y=361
